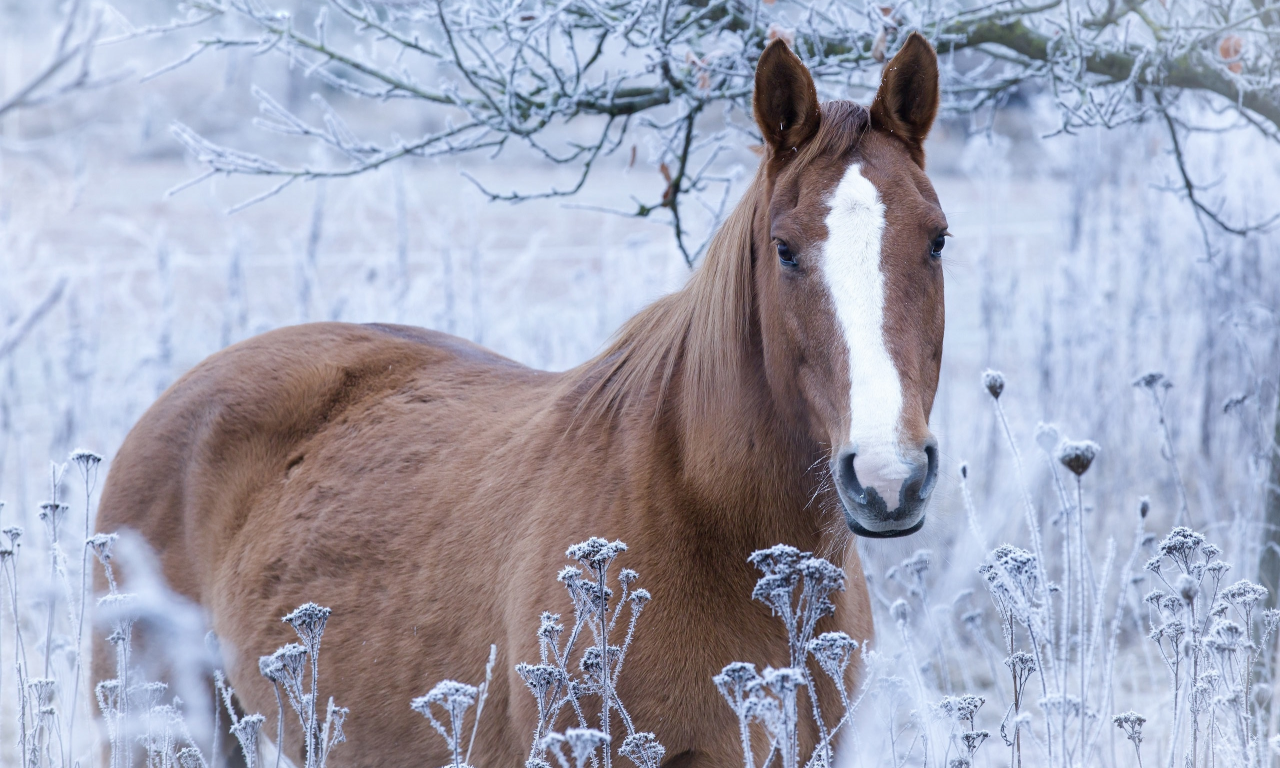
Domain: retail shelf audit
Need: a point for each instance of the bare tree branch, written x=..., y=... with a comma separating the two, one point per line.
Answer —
x=521, y=70
x=68, y=69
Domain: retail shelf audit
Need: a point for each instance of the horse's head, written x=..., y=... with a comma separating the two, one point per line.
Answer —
x=849, y=279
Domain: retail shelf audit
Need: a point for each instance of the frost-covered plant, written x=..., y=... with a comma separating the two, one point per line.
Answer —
x=1210, y=658
x=582, y=746
x=295, y=668
x=133, y=708
x=1203, y=629
x=1131, y=723
x=797, y=586
x=554, y=682
x=454, y=699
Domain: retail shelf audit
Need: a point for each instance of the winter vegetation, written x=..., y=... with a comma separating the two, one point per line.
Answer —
x=1097, y=583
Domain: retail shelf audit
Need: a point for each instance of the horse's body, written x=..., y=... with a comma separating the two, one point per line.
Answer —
x=426, y=489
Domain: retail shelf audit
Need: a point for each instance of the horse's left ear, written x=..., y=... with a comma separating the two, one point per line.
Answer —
x=907, y=100
x=785, y=100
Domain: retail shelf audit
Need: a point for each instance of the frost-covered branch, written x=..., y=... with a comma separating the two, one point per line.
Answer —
x=68, y=69
x=679, y=73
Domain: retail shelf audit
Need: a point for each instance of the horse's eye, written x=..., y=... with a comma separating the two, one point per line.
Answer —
x=784, y=255
x=939, y=243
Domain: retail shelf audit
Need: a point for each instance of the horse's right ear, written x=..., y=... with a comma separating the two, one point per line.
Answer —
x=785, y=101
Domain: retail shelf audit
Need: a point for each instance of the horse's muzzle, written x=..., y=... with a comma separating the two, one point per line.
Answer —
x=865, y=509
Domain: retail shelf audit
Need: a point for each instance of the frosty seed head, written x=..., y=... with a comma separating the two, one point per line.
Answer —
x=1131, y=723
x=1244, y=594
x=1021, y=663
x=451, y=693
x=738, y=674
x=778, y=558
x=308, y=620
x=540, y=677
x=42, y=690
x=1078, y=455
x=86, y=459
x=190, y=757
x=51, y=512
x=1144, y=507
x=1226, y=636
x=108, y=694
x=590, y=662
x=994, y=383
x=569, y=575
x=1152, y=380
x=643, y=749
x=1187, y=588
x=1011, y=574
x=246, y=732
x=824, y=577
x=549, y=627
x=900, y=611
x=775, y=587
x=918, y=563
x=269, y=667
x=285, y=666
x=101, y=544
x=1047, y=437
x=783, y=681
x=974, y=739
x=1181, y=545
x=595, y=551
x=582, y=743
x=832, y=645
x=961, y=707
x=968, y=705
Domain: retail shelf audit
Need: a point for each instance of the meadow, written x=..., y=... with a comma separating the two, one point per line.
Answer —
x=1054, y=611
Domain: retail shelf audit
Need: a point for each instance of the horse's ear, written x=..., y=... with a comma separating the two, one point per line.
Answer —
x=785, y=101
x=907, y=100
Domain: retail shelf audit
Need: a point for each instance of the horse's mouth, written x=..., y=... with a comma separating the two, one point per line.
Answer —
x=867, y=533
x=870, y=506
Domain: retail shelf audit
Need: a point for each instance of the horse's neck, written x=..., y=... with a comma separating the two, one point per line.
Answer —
x=753, y=473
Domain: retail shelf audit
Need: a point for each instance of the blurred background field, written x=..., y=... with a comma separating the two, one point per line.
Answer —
x=1073, y=270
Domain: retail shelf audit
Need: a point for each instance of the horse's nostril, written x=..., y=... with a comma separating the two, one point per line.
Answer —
x=848, y=477
x=931, y=471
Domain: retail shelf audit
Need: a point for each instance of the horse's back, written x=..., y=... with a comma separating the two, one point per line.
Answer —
x=309, y=463
x=231, y=429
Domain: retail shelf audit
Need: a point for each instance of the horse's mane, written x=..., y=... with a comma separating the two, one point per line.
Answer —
x=705, y=326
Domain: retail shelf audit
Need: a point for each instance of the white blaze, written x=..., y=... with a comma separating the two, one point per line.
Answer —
x=851, y=269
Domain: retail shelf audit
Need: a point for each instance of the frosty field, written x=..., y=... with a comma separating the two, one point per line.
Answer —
x=1074, y=271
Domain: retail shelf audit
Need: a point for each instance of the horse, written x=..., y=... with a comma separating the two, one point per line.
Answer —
x=426, y=489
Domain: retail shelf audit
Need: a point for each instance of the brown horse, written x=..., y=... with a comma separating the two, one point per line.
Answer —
x=426, y=489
